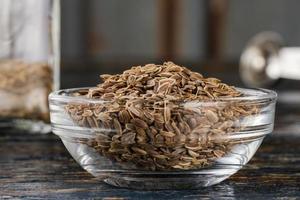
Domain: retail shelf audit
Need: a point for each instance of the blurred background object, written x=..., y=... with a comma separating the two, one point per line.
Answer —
x=29, y=62
x=259, y=57
x=265, y=61
x=103, y=36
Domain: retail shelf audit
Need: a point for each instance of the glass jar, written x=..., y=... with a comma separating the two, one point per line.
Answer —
x=29, y=62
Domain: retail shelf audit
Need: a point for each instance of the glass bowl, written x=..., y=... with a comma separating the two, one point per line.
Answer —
x=159, y=143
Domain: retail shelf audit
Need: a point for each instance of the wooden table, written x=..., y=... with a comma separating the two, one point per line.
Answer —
x=39, y=167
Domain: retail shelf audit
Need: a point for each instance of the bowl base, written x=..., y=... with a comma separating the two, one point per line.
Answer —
x=165, y=182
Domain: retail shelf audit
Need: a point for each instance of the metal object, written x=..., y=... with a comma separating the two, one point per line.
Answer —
x=265, y=60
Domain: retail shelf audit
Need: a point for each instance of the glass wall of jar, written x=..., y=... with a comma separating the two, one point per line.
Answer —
x=29, y=62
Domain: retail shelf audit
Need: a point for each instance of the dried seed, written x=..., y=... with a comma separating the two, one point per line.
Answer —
x=139, y=150
x=167, y=114
x=124, y=116
x=184, y=164
x=193, y=153
x=149, y=116
x=169, y=127
x=160, y=156
x=150, y=68
x=128, y=138
x=163, y=88
x=103, y=117
x=92, y=122
x=117, y=126
x=108, y=96
x=218, y=153
x=167, y=134
x=178, y=167
x=104, y=77
x=150, y=83
x=186, y=158
x=192, y=123
x=159, y=118
x=212, y=116
x=165, y=74
x=193, y=147
x=139, y=123
x=135, y=111
x=87, y=113
x=153, y=119
x=131, y=80
x=129, y=126
x=200, y=162
x=174, y=68
x=159, y=139
x=196, y=76
x=201, y=131
x=175, y=128
x=141, y=136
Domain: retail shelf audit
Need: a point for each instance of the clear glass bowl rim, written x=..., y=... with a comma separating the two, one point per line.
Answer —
x=259, y=95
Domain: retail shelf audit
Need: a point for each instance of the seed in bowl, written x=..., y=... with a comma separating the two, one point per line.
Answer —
x=151, y=117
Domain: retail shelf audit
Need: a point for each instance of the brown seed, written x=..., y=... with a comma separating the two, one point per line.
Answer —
x=92, y=122
x=201, y=131
x=159, y=118
x=129, y=126
x=184, y=164
x=177, y=167
x=212, y=116
x=160, y=156
x=131, y=80
x=87, y=113
x=117, y=126
x=218, y=153
x=139, y=150
x=159, y=139
x=135, y=111
x=124, y=116
x=165, y=74
x=148, y=115
x=163, y=88
x=167, y=114
x=150, y=83
x=150, y=68
x=193, y=147
x=167, y=134
x=174, y=68
x=108, y=96
x=141, y=136
x=103, y=117
x=139, y=123
x=105, y=76
x=169, y=127
x=154, y=127
x=128, y=138
x=196, y=76
x=192, y=123
x=193, y=153
x=186, y=158
x=175, y=128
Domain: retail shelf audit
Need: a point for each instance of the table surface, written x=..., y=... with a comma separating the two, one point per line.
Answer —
x=35, y=166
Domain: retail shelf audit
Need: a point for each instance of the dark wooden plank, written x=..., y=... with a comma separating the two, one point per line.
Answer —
x=39, y=167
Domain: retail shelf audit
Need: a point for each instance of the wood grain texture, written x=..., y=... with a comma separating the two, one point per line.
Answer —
x=39, y=167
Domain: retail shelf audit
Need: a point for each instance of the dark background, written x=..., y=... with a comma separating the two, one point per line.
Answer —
x=108, y=36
